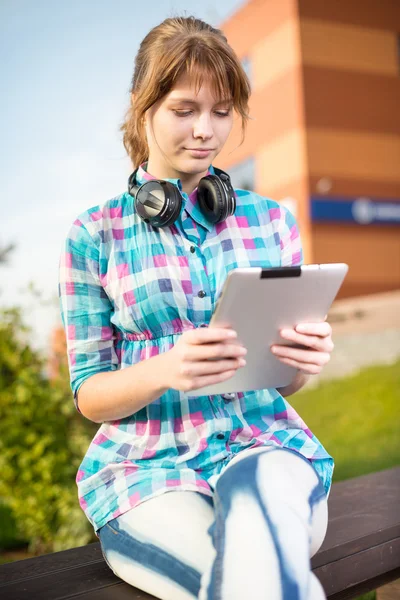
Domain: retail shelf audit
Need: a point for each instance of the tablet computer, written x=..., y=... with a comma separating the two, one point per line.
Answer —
x=257, y=303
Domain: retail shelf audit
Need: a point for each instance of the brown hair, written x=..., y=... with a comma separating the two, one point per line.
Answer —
x=180, y=46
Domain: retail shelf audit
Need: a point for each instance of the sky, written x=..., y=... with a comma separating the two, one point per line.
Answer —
x=64, y=90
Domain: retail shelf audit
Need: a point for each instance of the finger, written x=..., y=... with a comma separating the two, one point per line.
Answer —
x=219, y=366
x=200, y=382
x=309, y=369
x=205, y=335
x=302, y=356
x=319, y=329
x=214, y=351
x=324, y=344
x=205, y=368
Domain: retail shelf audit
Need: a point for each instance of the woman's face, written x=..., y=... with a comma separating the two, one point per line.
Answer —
x=185, y=131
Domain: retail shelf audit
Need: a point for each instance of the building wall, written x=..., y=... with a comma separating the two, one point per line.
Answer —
x=276, y=133
x=351, y=78
x=325, y=102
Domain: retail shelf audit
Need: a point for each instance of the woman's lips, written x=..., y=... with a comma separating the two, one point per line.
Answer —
x=199, y=153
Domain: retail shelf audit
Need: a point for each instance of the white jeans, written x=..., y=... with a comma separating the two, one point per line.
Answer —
x=253, y=539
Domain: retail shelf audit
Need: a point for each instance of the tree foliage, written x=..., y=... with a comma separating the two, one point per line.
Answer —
x=42, y=442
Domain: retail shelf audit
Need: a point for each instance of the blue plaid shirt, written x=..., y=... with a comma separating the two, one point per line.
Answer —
x=127, y=293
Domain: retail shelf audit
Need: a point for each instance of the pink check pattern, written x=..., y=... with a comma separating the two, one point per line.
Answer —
x=127, y=292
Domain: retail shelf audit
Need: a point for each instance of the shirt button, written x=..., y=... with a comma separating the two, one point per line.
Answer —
x=192, y=249
x=202, y=294
x=221, y=436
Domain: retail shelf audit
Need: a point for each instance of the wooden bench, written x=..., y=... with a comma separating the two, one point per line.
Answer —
x=361, y=552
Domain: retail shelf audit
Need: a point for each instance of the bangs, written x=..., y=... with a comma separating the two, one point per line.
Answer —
x=202, y=63
x=199, y=72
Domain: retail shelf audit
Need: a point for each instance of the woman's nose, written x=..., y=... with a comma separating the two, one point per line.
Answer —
x=203, y=127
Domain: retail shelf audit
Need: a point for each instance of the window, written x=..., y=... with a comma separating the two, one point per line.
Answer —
x=243, y=174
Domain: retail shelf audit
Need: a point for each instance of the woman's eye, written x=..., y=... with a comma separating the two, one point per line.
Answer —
x=181, y=113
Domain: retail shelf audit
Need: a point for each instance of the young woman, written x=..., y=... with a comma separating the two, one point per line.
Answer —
x=247, y=480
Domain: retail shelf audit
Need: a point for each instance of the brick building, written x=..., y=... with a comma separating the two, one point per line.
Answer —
x=325, y=138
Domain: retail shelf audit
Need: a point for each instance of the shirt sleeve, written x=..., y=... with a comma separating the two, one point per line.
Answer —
x=86, y=309
x=290, y=241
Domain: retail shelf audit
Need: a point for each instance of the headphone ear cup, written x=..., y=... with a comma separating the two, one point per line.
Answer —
x=212, y=198
x=158, y=203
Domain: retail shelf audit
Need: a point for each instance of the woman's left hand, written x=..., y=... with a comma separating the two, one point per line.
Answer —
x=317, y=337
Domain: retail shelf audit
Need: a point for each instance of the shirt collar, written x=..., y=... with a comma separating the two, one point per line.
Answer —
x=189, y=202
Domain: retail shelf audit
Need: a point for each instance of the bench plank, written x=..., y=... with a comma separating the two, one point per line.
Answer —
x=119, y=592
x=354, y=572
x=50, y=563
x=363, y=512
x=360, y=552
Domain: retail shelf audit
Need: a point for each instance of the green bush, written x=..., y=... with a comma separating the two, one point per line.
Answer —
x=8, y=536
x=42, y=442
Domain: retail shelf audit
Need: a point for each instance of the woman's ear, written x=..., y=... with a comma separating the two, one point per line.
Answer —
x=146, y=118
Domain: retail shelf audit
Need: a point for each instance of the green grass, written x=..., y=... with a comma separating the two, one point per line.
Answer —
x=357, y=419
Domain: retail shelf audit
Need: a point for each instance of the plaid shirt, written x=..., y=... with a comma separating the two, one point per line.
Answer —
x=127, y=292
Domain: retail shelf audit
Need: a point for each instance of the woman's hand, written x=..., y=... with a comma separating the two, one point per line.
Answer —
x=202, y=357
x=317, y=340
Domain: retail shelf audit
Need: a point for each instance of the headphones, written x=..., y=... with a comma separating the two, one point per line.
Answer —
x=159, y=202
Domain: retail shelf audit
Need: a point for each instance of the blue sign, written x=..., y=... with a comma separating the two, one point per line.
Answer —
x=363, y=211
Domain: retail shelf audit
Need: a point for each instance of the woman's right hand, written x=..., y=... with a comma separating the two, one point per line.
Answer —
x=201, y=357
